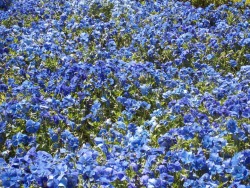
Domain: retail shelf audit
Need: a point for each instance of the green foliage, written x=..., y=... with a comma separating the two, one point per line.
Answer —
x=26, y=20
x=204, y=3
x=8, y=22
x=2, y=98
x=233, y=146
x=121, y=184
x=123, y=40
x=178, y=180
x=205, y=86
x=29, y=19
x=96, y=10
x=187, y=144
x=51, y=63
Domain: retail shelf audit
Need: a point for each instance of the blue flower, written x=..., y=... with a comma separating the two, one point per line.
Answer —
x=187, y=157
x=210, y=56
x=63, y=17
x=239, y=172
x=166, y=179
x=233, y=63
x=167, y=141
x=247, y=57
x=200, y=163
x=3, y=88
x=53, y=135
x=246, y=127
x=84, y=37
x=246, y=113
x=95, y=107
x=132, y=128
x=19, y=138
x=246, y=42
x=145, y=89
x=2, y=127
x=135, y=166
x=32, y=126
x=237, y=184
x=11, y=178
x=172, y=167
x=154, y=183
x=144, y=179
x=151, y=159
x=231, y=126
x=98, y=140
x=188, y=118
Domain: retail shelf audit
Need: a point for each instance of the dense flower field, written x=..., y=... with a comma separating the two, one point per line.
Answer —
x=124, y=94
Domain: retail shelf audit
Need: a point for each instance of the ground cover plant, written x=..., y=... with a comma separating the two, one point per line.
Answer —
x=124, y=94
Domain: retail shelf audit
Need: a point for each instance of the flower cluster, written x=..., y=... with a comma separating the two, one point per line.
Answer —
x=150, y=93
x=4, y=4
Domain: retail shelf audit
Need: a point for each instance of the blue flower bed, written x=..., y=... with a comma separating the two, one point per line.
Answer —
x=114, y=94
